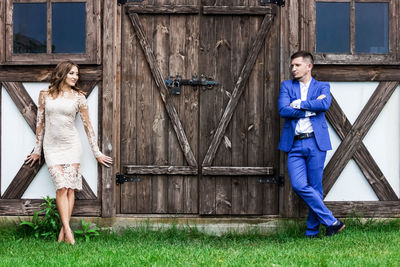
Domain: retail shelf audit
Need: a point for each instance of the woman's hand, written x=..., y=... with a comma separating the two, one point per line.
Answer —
x=32, y=158
x=105, y=160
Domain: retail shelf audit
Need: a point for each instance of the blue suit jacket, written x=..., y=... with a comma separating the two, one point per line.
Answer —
x=290, y=91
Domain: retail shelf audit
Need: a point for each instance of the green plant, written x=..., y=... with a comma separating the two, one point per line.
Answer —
x=45, y=226
x=88, y=230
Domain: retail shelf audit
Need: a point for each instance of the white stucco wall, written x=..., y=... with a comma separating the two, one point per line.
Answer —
x=382, y=141
x=18, y=140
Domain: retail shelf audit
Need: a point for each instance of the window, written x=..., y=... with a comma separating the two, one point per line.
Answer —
x=353, y=31
x=47, y=31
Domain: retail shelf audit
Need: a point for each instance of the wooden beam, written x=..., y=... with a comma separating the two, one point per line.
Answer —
x=22, y=180
x=86, y=192
x=110, y=80
x=87, y=87
x=362, y=157
x=26, y=174
x=360, y=128
x=42, y=73
x=237, y=10
x=165, y=95
x=24, y=207
x=163, y=9
x=238, y=89
x=23, y=101
x=386, y=209
x=220, y=171
x=356, y=73
x=140, y=169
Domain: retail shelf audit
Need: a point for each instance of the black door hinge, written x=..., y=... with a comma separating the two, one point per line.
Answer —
x=279, y=180
x=120, y=179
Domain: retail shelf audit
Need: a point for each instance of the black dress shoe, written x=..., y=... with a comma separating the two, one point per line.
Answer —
x=335, y=228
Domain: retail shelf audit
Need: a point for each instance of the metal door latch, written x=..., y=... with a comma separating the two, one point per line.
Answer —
x=120, y=179
x=279, y=180
x=175, y=82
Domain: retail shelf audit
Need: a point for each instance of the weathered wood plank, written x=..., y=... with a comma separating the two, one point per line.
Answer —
x=289, y=20
x=269, y=136
x=235, y=171
x=129, y=77
x=160, y=122
x=23, y=101
x=2, y=30
x=177, y=55
x=22, y=180
x=360, y=128
x=158, y=77
x=43, y=73
x=163, y=9
x=207, y=120
x=156, y=169
x=240, y=42
x=224, y=73
x=362, y=157
x=385, y=209
x=144, y=120
x=356, y=73
x=109, y=86
x=86, y=192
x=23, y=207
x=237, y=10
x=190, y=108
x=238, y=90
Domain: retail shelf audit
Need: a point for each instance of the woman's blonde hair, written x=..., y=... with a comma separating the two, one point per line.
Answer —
x=59, y=75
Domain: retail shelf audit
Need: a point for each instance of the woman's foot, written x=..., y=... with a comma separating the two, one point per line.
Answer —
x=61, y=235
x=69, y=237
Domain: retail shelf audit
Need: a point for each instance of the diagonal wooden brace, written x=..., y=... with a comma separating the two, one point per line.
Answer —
x=26, y=174
x=352, y=141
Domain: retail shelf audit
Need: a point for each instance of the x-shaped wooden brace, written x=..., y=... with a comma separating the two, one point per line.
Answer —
x=352, y=145
x=28, y=109
x=237, y=91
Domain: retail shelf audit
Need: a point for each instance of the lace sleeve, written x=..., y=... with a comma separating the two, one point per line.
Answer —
x=40, y=123
x=84, y=113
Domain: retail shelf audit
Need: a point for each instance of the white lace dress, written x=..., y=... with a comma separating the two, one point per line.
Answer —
x=56, y=133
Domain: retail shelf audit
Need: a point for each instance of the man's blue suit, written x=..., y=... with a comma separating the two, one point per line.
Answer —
x=306, y=157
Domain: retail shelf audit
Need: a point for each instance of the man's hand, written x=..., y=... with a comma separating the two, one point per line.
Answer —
x=296, y=104
x=321, y=97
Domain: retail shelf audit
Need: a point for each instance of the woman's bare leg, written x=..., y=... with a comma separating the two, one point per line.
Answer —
x=63, y=209
x=71, y=202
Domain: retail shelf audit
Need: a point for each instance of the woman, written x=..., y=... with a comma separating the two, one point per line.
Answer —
x=55, y=130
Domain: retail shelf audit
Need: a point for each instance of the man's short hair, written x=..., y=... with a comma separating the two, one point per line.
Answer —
x=303, y=54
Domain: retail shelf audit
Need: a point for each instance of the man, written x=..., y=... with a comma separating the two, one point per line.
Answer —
x=303, y=102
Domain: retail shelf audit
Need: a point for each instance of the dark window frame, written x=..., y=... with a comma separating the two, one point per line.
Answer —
x=309, y=36
x=91, y=55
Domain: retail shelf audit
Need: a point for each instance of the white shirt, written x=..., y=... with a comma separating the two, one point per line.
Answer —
x=303, y=125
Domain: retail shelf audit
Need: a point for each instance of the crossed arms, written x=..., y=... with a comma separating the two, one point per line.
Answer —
x=301, y=109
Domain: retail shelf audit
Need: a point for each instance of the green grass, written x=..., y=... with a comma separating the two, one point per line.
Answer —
x=371, y=243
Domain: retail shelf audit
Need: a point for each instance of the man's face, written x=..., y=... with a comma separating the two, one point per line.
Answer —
x=300, y=68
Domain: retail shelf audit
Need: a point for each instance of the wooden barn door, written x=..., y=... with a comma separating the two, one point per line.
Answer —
x=208, y=150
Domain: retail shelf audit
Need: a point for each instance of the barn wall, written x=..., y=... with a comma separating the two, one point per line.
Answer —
x=18, y=140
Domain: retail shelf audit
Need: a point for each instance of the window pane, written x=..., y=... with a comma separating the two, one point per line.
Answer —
x=333, y=27
x=372, y=28
x=69, y=27
x=29, y=28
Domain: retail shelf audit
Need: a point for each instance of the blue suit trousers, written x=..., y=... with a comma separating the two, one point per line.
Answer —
x=305, y=165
